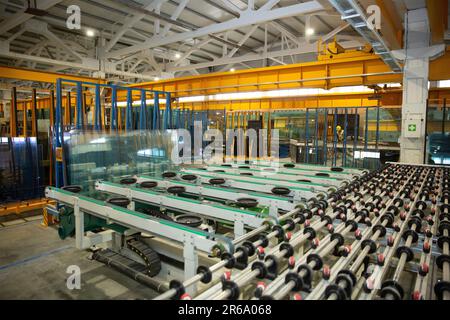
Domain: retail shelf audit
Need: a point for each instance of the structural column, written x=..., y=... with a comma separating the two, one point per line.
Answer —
x=415, y=87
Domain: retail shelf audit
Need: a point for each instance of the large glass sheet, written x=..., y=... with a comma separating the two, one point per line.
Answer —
x=439, y=148
x=438, y=132
x=20, y=171
x=91, y=156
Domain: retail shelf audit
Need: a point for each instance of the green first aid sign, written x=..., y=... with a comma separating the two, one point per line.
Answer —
x=412, y=128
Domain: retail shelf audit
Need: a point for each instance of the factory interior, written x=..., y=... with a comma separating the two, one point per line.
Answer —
x=208, y=150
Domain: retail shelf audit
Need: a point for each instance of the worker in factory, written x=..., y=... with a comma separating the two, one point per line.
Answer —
x=340, y=133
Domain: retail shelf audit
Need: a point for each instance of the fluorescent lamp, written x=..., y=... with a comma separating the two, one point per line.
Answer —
x=100, y=140
x=309, y=31
x=367, y=154
x=259, y=95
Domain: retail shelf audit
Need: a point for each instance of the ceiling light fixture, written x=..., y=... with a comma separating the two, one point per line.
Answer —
x=90, y=33
x=309, y=31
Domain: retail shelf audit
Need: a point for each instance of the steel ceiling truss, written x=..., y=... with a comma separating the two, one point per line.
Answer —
x=355, y=16
x=174, y=47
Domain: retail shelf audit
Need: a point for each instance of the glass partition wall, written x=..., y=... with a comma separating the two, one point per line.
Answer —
x=438, y=132
x=363, y=137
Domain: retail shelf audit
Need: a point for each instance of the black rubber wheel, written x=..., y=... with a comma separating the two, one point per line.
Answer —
x=176, y=189
x=128, y=181
x=189, y=177
x=216, y=181
x=148, y=184
x=244, y=167
x=226, y=165
x=73, y=189
x=219, y=171
x=304, y=180
x=281, y=191
x=119, y=201
x=247, y=202
x=246, y=174
x=189, y=220
x=169, y=174
x=289, y=165
x=337, y=169
x=320, y=174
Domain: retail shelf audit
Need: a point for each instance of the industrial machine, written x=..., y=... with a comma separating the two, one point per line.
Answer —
x=219, y=233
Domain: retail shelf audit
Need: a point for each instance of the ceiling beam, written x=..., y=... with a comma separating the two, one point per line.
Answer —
x=20, y=16
x=40, y=76
x=334, y=32
x=255, y=17
x=87, y=64
x=269, y=4
x=305, y=48
x=242, y=41
x=194, y=48
x=175, y=16
x=286, y=32
x=231, y=6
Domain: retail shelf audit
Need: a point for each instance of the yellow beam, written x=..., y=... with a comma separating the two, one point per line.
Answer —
x=339, y=100
x=13, y=116
x=40, y=76
x=24, y=206
x=439, y=69
x=391, y=24
x=355, y=68
x=438, y=17
x=361, y=69
x=392, y=97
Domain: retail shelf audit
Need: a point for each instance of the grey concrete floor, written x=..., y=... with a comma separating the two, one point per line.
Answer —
x=34, y=262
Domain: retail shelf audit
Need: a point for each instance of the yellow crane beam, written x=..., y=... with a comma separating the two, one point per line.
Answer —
x=361, y=68
x=40, y=76
x=391, y=97
x=335, y=100
x=391, y=27
x=354, y=69
x=438, y=17
x=347, y=69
